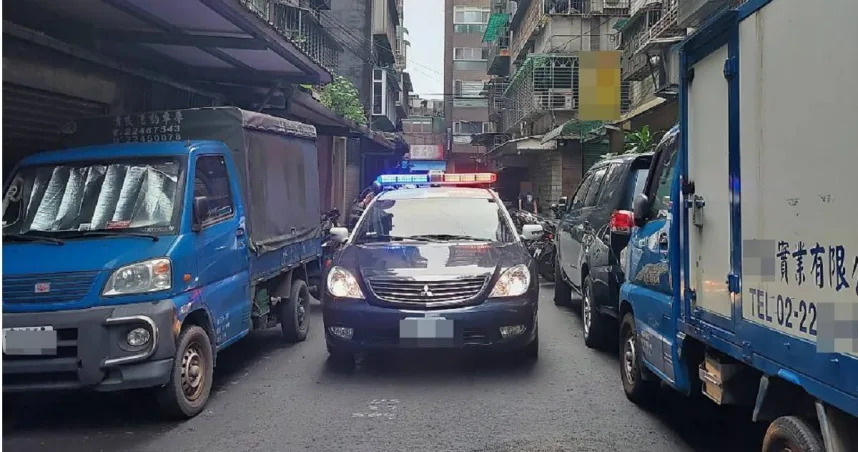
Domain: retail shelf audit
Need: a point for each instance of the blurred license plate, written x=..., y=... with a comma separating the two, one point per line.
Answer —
x=426, y=328
x=38, y=340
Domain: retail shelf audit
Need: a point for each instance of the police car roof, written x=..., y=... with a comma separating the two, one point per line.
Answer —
x=437, y=192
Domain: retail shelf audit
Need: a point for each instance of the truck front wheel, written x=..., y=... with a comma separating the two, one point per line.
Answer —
x=793, y=434
x=637, y=389
x=295, y=312
x=187, y=392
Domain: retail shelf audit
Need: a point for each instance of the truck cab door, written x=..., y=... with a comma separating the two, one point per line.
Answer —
x=221, y=246
x=568, y=248
x=650, y=265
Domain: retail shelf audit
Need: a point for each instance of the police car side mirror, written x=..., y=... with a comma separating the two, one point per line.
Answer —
x=531, y=231
x=641, y=210
x=339, y=235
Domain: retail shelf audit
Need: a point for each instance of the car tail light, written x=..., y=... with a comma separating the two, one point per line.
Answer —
x=622, y=222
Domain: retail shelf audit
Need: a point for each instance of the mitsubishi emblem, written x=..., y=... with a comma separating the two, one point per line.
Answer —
x=426, y=292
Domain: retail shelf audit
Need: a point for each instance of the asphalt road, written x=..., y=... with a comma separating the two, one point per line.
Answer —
x=270, y=396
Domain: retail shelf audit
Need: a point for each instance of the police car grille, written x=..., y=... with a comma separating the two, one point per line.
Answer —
x=57, y=287
x=424, y=292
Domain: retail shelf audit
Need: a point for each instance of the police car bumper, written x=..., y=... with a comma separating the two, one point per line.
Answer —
x=497, y=324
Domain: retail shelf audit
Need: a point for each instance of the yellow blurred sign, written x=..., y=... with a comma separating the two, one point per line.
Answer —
x=599, y=85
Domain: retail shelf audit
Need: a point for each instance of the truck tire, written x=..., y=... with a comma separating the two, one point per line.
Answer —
x=562, y=291
x=295, y=312
x=595, y=325
x=793, y=434
x=187, y=392
x=637, y=389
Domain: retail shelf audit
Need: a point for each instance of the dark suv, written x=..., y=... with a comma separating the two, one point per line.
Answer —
x=594, y=228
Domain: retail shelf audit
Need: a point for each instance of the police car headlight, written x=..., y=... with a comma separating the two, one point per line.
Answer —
x=513, y=282
x=343, y=284
x=142, y=277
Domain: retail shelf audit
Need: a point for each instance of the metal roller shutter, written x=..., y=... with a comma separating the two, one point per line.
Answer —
x=593, y=151
x=32, y=120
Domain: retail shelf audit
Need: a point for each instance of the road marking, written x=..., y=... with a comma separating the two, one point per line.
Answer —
x=380, y=409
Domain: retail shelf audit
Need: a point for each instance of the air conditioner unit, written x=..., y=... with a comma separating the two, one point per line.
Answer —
x=568, y=101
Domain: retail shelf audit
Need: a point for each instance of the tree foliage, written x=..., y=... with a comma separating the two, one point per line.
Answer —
x=342, y=97
x=638, y=142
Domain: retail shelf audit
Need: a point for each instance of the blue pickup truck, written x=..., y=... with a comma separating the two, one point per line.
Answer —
x=742, y=270
x=131, y=264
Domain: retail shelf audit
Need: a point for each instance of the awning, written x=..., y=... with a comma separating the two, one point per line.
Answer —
x=220, y=43
x=302, y=106
x=572, y=129
x=497, y=21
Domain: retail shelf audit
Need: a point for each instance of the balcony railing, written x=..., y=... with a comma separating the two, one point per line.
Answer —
x=498, y=57
x=543, y=83
x=635, y=67
x=538, y=11
x=301, y=26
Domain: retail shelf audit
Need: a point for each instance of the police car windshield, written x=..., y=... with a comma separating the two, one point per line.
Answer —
x=435, y=219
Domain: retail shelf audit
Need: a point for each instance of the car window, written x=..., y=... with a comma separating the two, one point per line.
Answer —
x=595, y=187
x=578, y=200
x=401, y=219
x=661, y=182
x=212, y=181
x=634, y=186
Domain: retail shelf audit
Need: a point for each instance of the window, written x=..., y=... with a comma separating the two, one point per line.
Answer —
x=467, y=127
x=595, y=187
x=471, y=103
x=471, y=53
x=581, y=193
x=211, y=181
x=398, y=220
x=463, y=65
x=468, y=88
x=378, y=95
x=471, y=15
x=662, y=180
x=469, y=28
x=417, y=126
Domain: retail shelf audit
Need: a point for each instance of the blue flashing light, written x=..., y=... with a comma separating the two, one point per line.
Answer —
x=398, y=179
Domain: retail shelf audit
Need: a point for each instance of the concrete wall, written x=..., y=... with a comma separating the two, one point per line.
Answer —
x=356, y=17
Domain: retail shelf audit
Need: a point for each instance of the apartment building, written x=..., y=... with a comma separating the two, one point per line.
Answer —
x=539, y=143
x=465, y=73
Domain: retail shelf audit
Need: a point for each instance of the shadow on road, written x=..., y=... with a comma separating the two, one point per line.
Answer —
x=701, y=423
x=69, y=421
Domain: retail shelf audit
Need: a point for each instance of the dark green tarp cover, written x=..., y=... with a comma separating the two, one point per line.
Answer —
x=497, y=22
x=276, y=160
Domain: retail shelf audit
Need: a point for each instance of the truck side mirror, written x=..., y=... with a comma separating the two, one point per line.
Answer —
x=201, y=208
x=641, y=210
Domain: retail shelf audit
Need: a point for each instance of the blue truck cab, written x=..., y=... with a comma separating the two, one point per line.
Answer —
x=742, y=270
x=130, y=265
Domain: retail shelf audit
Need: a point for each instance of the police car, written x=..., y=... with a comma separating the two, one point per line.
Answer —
x=436, y=262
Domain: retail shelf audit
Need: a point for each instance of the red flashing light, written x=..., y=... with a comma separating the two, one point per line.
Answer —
x=622, y=222
x=470, y=178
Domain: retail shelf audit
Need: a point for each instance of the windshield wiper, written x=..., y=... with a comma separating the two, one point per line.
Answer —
x=116, y=234
x=34, y=238
x=447, y=237
x=393, y=238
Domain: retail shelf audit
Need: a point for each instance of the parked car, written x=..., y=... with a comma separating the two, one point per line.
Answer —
x=594, y=228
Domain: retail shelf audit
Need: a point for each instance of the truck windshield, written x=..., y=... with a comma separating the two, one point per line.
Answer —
x=435, y=219
x=139, y=195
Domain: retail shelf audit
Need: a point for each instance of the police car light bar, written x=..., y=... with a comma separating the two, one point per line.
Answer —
x=437, y=177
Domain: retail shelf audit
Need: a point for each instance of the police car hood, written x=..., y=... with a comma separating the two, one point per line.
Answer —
x=432, y=259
